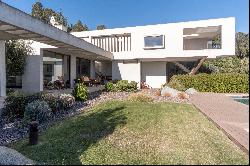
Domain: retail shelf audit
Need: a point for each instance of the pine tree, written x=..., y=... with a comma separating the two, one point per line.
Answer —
x=78, y=27
x=37, y=10
x=101, y=27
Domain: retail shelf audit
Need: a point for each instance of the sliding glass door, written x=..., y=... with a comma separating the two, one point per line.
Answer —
x=82, y=67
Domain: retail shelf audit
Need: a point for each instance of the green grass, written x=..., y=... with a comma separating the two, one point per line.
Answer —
x=135, y=133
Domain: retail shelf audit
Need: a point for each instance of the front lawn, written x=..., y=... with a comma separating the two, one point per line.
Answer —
x=135, y=133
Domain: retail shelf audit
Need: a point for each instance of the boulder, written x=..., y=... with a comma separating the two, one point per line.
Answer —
x=191, y=91
x=167, y=90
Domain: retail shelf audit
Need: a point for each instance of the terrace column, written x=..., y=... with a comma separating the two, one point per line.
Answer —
x=72, y=70
x=65, y=68
x=32, y=79
x=2, y=69
x=92, y=69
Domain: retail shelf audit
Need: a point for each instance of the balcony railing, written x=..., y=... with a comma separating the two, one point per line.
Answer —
x=113, y=43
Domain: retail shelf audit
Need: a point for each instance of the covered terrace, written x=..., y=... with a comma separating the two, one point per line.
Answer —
x=15, y=24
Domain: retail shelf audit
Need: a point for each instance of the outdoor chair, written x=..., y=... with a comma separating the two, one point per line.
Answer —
x=97, y=81
x=60, y=83
x=86, y=80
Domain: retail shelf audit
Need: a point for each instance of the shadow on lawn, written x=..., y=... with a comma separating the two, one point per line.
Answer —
x=65, y=144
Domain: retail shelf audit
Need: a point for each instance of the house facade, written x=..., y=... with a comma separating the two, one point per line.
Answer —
x=154, y=53
x=150, y=54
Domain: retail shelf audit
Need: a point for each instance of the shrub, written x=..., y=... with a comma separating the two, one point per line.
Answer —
x=140, y=98
x=14, y=105
x=66, y=100
x=174, y=83
x=80, y=92
x=228, y=65
x=37, y=111
x=109, y=86
x=9, y=91
x=124, y=85
x=51, y=99
x=219, y=82
x=133, y=86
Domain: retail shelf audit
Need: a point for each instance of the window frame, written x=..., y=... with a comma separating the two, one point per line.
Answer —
x=154, y=47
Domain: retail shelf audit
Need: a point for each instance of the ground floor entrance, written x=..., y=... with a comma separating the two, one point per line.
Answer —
x=153, y=73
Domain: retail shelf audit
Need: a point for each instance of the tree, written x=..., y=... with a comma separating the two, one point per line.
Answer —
x=242, y=45
x=216, y=42
x=61, y=19
x=37, y=10
x=78, y=27
x=16, y=52
x=101, y=27
x=69, y=28
x=45, y=14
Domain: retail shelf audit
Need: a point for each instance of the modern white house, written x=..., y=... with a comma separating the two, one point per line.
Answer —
x=151, y=53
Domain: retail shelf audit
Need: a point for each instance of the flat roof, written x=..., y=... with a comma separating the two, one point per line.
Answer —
x=16, y=24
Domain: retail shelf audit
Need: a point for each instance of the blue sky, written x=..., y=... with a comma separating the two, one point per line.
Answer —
x=124, y=13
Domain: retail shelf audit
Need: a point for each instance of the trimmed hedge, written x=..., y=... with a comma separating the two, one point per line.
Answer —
x=218, y=83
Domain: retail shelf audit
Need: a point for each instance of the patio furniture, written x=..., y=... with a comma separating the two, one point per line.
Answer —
x=60, y=83
x=86, y=80
x=97, y=81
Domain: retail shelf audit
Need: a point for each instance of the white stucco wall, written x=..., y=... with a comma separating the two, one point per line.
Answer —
x=154, y=73
x=173, y=33
x=127, y=71
x=2, y=69
x=32, y=80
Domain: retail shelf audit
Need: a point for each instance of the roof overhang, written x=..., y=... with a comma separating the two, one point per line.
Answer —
x=16, y=24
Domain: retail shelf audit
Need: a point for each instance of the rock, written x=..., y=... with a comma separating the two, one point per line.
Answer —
x=12, y=157
x=191, y=91
x=183, y=95
x=167, y=90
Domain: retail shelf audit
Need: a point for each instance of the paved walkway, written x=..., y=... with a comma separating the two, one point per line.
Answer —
x=231, y=116
x=12, y=157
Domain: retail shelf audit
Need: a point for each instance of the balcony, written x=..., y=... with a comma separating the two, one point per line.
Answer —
x=113, y=43
x=202, y=38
